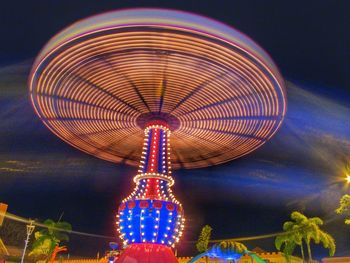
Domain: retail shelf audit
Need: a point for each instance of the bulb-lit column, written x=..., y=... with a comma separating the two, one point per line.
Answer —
x=151, y=214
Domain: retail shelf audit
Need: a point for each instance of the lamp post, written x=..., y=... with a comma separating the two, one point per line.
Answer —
x=30, y=229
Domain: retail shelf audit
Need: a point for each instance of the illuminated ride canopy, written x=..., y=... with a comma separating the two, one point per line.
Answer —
x=111, y=83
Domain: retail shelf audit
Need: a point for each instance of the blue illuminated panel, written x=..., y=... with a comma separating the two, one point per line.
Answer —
x=150, y=221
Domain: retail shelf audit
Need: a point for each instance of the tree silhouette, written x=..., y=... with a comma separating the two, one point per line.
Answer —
x=304, y=230
x=344, y=208
x=49, y=238
x=289, y=240
x=203, y=239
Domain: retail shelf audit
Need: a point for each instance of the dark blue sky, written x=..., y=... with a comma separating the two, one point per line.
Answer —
x=301, y=167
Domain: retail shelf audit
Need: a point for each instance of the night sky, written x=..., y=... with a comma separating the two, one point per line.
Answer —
x=302, y=167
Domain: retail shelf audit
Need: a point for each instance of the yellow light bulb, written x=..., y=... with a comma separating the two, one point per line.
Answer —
x=348, y=178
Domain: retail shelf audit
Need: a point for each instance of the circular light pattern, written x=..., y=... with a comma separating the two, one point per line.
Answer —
x=98, y=81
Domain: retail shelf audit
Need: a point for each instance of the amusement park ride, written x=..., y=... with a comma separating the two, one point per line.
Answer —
x=193, y=91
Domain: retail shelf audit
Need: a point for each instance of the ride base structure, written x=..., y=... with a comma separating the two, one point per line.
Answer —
x=151, y=220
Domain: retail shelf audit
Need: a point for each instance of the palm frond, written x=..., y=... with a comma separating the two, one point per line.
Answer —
x=328, y=242
x=288, y=226
x=298, y=217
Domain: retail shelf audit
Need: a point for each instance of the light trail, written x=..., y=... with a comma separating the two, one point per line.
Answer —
x=93, y=85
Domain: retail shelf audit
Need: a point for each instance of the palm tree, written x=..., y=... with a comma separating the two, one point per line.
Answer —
x=49, y=238
x=203, y=239
x=311, y=231
x=344, y=207
x=289, y=240
x=304, y=229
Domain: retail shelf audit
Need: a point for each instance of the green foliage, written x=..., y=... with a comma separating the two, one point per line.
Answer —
x=289, y=240
x=328, y=242
x=344, y=207
x=303, y=230
x=48, y=238
x=203, y=240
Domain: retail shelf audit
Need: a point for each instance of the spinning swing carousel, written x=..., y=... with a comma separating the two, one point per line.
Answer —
x=158, y=89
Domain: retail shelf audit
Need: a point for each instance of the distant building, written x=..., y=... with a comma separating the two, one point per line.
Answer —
x=336, y=260
x=270, y=257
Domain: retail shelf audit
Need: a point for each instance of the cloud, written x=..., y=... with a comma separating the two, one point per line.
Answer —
x=13, y=79
x=44, y=166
